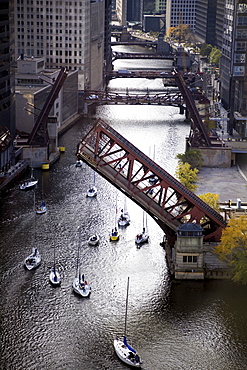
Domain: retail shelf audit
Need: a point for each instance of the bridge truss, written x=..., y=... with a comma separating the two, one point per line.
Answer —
x=146, y=183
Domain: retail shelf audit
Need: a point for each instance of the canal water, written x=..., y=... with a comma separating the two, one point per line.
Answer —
x=190, y=325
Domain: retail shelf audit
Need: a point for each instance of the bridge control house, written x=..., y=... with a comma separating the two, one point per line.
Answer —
x=195, y=259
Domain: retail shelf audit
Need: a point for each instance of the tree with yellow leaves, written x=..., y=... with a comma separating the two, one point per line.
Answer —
x=211, y=199
x=233, y=247
x=186, y=175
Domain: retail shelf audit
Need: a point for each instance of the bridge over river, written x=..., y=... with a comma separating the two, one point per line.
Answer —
x=146, y=183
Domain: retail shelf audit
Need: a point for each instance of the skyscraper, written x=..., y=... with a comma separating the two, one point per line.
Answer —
x=181, y=12
x=66, y=33
x=233, y=64
x=7, y=103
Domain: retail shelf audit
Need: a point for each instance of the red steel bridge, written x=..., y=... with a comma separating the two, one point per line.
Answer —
x=146, y=183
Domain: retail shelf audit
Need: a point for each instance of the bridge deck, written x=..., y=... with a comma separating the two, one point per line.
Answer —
x=146, y=183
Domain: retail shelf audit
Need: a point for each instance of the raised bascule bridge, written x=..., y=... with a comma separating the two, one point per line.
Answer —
x=163, y=197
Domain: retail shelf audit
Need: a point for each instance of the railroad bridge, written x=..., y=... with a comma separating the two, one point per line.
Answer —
x=163, y=197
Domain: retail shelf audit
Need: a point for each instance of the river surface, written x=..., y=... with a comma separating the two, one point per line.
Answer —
x=191, y=325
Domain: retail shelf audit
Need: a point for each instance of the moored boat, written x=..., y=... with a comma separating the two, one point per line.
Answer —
x=93, y=240
x=142, y=237
x=41, y=208
x=80, y=286
x=114, y=236
x=92, y=191
x=54, y=277
x=124, y=351
x=78, y=163
x=33, y=260
x=28, y=184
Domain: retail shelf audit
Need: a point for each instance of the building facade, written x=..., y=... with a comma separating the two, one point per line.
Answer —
x=129, y=11
x=160, y=6
x=7, y=81
x=233, y=64
x=180, y=12
x=66, y=33
x=33, y=85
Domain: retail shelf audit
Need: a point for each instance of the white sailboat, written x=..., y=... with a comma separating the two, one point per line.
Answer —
x=124, y=219
x=78, y=163
x=94, y=240
x=92, y=191
x=28, y=184
x=54, y=277
x=124, y=351
x=34, y=259
x=80, y=285
x=42, y=207
x=153, y=179
x=143, y=237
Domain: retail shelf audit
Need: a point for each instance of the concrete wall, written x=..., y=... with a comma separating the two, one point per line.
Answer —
x=36, y=156
x=216, y=157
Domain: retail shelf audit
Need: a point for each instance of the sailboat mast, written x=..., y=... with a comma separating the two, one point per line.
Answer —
x=54, y=258
x=34, y=206
x=126, y=308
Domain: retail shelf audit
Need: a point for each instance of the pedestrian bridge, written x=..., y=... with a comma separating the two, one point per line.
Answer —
x=146, y=183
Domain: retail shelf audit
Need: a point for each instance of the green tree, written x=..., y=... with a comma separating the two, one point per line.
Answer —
x=214, y=56
x=233, y=247
x=205, y=49
x=211, y=199
x=193, y=157
x=186, y=175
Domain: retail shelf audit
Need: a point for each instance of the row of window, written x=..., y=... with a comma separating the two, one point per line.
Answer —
x=190, y=259
x=41, y=2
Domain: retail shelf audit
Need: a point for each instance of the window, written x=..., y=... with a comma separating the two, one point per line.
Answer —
x=239, y=58
x=190, y=259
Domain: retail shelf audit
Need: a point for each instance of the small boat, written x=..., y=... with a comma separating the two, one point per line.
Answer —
x=33, y=260
x=41, y=208
x=28, y=184
x=93, y=240
x=114, y=236
x=153, y=179
x=92, y=191
x=124, y=351
x=142, y=237
x=80, y=285
x=78, y=163
x=124, y=219
x=54, y=277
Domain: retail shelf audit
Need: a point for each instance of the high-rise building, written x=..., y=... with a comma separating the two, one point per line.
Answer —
x=129, y=11
x=181, y=12
x=160, y=6
x=66, y=33
x=7, y=80
x=233, y=64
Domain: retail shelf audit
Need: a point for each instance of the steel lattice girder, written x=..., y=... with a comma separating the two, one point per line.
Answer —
x=150, y=186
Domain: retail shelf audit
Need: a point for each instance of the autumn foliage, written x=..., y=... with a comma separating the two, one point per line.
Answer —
x=211, y=199
x=233, y=247
x=186, y=175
